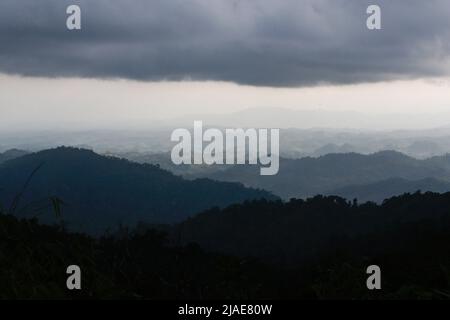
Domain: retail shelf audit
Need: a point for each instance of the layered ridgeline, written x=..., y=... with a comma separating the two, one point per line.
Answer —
x=345, y=174
x=102, y=192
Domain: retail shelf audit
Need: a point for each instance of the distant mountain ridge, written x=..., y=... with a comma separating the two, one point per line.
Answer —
x=12, y=154
x=379, y=191
x=103, y=192
x=310, y=176
x=106, y=191
x=296, y=143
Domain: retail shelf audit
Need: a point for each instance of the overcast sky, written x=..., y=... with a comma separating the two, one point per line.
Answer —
x=150, y=59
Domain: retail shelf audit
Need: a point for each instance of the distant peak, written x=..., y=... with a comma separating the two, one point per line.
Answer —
x=390, y=153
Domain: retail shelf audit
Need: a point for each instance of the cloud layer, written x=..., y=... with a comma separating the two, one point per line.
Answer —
x=264, y=43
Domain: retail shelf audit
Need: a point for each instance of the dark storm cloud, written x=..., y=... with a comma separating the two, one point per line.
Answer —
x=273, y=43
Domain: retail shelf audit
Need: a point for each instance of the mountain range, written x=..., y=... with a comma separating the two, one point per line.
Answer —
x=342, y=174
x=296, y=143
x=99, y=192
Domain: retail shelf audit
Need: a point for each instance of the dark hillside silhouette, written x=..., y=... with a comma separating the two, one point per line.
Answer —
x=300, y=230
x=103, y=192
x=410, y=243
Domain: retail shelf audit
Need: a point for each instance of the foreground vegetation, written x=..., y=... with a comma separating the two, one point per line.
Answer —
x=144, y=265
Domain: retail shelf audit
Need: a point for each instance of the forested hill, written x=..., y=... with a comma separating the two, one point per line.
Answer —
x=302, y=230
x=101, y=192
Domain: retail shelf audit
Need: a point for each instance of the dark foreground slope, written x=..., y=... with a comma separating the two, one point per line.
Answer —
x=301, y=230
x=101, y=192
x=34, y=259
x=411, y=251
